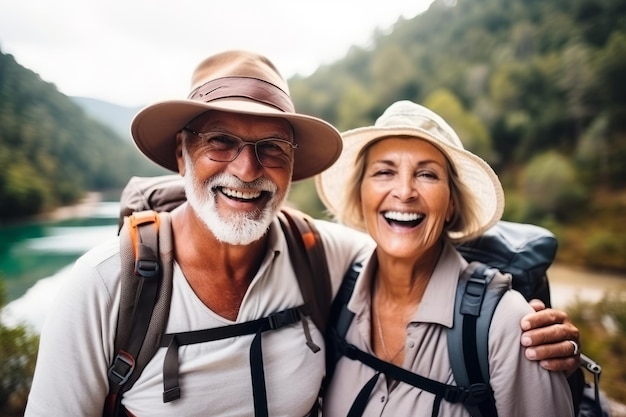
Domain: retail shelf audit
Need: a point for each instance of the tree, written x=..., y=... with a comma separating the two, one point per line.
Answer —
x=470, y=129
x=551, y=186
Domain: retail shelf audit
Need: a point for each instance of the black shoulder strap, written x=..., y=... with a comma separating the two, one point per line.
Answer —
x=307, y=255
x=339, y=320
x=468, y=339
x=146, y=255
x=337, y=346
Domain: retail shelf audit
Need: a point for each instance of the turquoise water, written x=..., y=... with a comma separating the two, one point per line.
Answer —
x=30, y=252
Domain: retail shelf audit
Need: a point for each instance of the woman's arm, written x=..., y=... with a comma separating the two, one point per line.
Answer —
x=522, y=387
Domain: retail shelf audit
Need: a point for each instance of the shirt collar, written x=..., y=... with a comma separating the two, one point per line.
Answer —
x=437, y=305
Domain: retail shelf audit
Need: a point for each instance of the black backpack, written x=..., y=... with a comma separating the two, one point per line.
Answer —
x=523, y=251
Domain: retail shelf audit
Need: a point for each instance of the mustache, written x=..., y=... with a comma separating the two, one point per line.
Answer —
x=230, y=181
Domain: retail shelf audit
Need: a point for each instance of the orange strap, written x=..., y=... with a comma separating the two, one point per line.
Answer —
x=138, y=218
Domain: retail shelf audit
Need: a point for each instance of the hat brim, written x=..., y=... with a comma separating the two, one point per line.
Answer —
x=480, y=179
x=154, y=130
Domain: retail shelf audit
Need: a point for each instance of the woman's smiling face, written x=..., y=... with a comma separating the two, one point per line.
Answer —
x=405, y=196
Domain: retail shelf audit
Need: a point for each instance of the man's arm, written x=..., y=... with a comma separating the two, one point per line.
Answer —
x=548, y=335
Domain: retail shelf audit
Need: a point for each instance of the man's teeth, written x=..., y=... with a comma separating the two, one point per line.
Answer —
x=250, y=195
x=402, y=217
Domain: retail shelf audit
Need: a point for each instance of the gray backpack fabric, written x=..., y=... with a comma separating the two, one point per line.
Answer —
x=163, y=194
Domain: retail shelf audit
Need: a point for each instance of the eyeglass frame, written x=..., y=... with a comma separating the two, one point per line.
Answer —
x=243, y=143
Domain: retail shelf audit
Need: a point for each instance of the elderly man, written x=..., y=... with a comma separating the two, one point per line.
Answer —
x=238, y=143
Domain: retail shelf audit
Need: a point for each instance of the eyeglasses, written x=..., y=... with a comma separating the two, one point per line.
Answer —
x=224, y=147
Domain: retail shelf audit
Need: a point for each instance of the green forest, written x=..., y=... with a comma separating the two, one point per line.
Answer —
x=534, y=87
x=51, y=152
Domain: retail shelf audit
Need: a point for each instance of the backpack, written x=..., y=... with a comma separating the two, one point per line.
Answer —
x=523, y=251
x=146, y=251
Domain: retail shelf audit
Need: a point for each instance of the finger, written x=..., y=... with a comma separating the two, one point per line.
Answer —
x=543, y=318
x=537, y=304
x=553, y=334
x=567, y=365
x=559, y=350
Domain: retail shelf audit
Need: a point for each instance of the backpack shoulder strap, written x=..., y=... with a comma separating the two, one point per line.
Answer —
x=340, y=320
x=468, y=339
x=160, y=193
x=306, y=252
x=146, y=256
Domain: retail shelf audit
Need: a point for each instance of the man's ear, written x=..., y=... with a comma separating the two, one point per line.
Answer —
x=180, y=161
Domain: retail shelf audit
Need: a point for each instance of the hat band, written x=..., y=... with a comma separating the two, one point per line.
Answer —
x=244, y=87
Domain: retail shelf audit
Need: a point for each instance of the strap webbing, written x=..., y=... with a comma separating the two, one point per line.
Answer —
x=171, y=388
x=468, y=339
x=308, y=259
x=450, y=393
x=147, y=277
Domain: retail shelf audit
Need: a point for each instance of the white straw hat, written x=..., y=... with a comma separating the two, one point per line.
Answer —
x=405, y=118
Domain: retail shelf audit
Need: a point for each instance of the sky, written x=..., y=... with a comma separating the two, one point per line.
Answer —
x=133, y=52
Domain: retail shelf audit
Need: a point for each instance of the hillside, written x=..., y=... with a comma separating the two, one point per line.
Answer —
x=112, y=115
x=51, y=151
x=534, y=87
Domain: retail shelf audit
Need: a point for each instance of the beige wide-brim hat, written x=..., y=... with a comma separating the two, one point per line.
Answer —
x=407, y=119
x=237, y=82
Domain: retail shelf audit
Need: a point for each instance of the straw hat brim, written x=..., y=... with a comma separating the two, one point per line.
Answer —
x=154, y=130
x=480, y=179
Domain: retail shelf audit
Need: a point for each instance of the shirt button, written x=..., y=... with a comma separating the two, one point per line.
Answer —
x=411, y=344
x=382, y=399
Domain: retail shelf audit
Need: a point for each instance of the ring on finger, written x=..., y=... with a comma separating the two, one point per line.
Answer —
x=576, y=347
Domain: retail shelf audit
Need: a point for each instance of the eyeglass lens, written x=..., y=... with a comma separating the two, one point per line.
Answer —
x=224, y=147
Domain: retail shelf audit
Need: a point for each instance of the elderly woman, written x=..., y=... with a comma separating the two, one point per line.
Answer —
x=412, y=186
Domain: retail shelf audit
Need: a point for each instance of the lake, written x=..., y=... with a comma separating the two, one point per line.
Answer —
x=35, y=257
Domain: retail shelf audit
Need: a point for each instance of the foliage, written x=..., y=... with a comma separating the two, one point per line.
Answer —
x=18, y=350
x=604, y=248
x=518, y=80
x=304, y=197
x=533, y=87
x=51, y=152
x=551, y=186
x=602, y=327
x=535, y=75
x=475, y=135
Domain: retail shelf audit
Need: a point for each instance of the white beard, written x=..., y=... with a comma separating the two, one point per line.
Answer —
x=240, y=228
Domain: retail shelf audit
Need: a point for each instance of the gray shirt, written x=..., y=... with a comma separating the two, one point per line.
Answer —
x=522, y=388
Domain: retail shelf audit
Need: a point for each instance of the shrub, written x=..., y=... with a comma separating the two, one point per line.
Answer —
x=18, y=350
x=602, y=328
x=607, y=249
